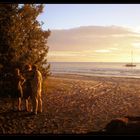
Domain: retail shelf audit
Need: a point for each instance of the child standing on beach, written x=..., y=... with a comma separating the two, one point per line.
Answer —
x=28, y=74
x=36, y=90
x=18, y=81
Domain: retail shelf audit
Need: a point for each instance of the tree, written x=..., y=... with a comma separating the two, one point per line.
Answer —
x=22, y=39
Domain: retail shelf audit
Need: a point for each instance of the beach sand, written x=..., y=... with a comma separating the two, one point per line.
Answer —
x=74, y=104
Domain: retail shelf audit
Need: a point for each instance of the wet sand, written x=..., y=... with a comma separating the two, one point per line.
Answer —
x=75, y=104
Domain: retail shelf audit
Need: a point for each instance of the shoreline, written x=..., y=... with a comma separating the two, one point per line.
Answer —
x=90, y=77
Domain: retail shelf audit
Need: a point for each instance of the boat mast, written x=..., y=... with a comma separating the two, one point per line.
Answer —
x=131, y=56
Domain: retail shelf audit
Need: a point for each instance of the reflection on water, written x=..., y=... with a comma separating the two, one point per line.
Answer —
x=96, y=69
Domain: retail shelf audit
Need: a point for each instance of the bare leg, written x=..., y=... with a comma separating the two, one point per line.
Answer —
x=30, y=105
x=39, y=104
x=19, y=104
x=34, y=104
x=27, y=104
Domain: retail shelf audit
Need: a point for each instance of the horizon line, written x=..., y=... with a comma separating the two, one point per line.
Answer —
x=86, y=62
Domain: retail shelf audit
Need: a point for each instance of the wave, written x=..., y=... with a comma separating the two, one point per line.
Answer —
x=95, y=69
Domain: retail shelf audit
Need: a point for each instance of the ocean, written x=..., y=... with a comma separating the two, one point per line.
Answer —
x=95, y=69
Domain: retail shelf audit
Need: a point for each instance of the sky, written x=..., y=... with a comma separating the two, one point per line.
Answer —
x=92, y=32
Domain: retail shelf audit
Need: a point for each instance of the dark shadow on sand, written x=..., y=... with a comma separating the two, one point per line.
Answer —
x=128, y=125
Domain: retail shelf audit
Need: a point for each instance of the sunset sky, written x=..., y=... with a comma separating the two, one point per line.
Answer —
x=92, y=32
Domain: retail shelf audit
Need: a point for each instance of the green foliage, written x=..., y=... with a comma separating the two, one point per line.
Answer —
x=22, y=40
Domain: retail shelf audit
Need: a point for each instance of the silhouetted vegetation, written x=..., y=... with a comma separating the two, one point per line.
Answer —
x=22, y=40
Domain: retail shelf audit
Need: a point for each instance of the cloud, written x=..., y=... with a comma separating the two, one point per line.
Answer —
x=115, y=44
x=114, y=49
x=90, y=37
x=65, y=53
x=92, y=41
x=103, y=51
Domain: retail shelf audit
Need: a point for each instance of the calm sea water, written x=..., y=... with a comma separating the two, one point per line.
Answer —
x=96, y=69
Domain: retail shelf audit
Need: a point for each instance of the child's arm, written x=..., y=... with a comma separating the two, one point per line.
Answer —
x=22, y=79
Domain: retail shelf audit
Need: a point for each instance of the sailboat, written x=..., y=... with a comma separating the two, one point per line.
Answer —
x=131, y=64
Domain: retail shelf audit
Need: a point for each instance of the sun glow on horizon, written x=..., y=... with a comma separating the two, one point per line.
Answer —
x=94, y=44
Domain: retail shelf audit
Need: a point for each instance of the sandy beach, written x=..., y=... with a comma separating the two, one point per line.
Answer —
x=74, y=104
